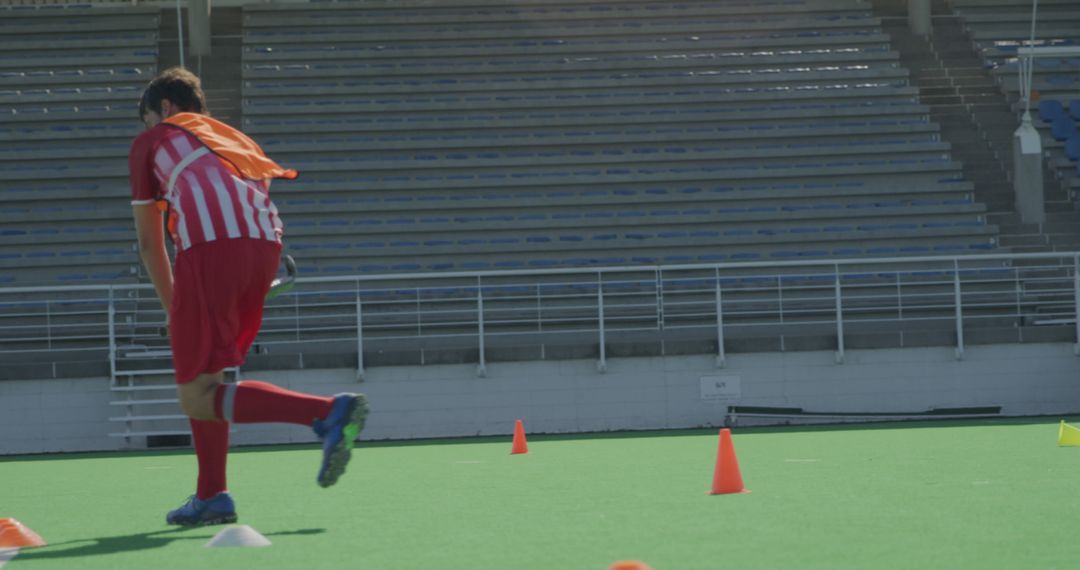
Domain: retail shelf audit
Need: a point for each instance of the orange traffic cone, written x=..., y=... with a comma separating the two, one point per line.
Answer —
x=629, y=565
x=520, y=445
x=726, y=478
x=13, y=534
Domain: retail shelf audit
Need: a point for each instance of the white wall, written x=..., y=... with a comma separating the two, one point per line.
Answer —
x=571, y=396
x=43, y=416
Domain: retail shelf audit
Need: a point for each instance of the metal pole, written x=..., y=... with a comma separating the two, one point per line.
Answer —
x=540, y=321
x=959, y=311
x=1019, y=301
x=721, y=357
x=296, y=313
x=481, y=369
x=1076, y=301
x=48, y=324
x=659, y=274
x=900, y=307
x=1026, y=83
x=601, y=365
x=359, y=339
x=839, y=317
x=180, y=31
x=112, y=338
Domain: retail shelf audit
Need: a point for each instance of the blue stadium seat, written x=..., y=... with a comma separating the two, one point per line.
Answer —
x=509, y=264
x=1050, y=109
x=1072, y=147
x=1063, y=128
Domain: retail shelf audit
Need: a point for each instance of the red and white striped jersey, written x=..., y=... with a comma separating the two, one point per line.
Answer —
x=206, y=200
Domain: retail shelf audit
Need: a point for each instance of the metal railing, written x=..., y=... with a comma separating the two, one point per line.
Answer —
x=843, y=301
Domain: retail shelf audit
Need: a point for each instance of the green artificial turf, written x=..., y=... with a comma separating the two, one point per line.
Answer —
x=992, y=494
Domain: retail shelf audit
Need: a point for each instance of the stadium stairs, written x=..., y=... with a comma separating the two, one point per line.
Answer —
x=983, y=34
x=220, y=72
x=979, y=120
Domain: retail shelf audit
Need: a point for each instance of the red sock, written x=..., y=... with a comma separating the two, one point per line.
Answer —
x=252, y=402
x=211, y=448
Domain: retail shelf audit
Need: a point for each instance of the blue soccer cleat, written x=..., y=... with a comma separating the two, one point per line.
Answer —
x=218, y=509
x=338, y=432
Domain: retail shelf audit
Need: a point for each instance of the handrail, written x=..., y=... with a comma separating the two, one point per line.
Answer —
x=485, y=311
x=590, y=270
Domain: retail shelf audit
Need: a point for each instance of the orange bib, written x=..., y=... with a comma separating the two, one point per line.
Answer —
x=241, y=154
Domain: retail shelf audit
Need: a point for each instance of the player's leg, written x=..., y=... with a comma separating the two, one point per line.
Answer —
x=253, y=402
x=338, y=432
x=337, y=420
x=215, y=323
x=197, y=396
x=212, y=503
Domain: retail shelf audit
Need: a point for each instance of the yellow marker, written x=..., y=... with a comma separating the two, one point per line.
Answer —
x=1068, y=435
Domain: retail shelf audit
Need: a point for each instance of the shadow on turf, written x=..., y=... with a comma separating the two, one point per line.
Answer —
x=134, y=542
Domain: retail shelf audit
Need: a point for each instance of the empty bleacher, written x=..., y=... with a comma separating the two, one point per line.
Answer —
x=514, y=135
x=528, y=134
x=70, y=79
x=998, y=28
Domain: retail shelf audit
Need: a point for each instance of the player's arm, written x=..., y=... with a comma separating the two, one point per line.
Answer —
x=155, y=258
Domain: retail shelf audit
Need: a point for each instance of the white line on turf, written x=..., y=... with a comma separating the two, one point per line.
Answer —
x=6, y=554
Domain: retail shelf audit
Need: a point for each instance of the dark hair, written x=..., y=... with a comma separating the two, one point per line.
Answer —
x=178, y=85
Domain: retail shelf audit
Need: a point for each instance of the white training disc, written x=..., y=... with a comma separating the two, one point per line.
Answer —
x=240, y=535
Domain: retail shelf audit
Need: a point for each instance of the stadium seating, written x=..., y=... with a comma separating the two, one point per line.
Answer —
x=71, y=78
x=603, y=133
x=998, y=28
x=501, y=137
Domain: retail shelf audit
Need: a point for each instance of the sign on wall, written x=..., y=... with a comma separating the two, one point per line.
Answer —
x=721, y=388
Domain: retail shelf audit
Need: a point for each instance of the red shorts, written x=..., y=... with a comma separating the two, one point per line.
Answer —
x=218, y=292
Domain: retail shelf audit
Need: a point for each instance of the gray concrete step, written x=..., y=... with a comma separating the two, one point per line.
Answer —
x=1019, y=229
x=1067, y=241
x=938, y=73
x=974, y=81
x=1022, y=240
x=966, y=99
x=952, y=89
x=1031, y=249
x=1060, y=206
x=998, y=204
x=1071, y=227
x=1003, y=220
x=1064, y=217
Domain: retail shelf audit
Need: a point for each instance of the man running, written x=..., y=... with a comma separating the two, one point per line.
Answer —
x=214, y=183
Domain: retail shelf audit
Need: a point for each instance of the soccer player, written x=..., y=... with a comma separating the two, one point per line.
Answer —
x=214, y=182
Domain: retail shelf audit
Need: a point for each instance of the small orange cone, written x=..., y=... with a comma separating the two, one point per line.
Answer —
x=726, y=478
x=520, y=445
x=13, y=534
x=629, y=565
